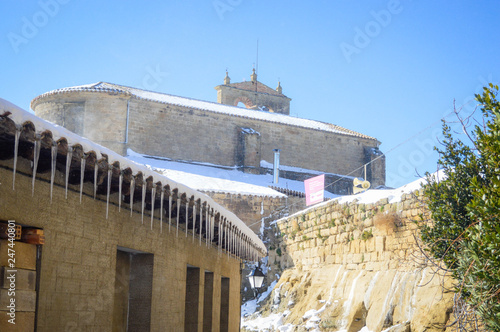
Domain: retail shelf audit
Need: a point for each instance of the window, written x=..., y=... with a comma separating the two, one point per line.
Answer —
x=224, y=304
x=208, y=301
x=133, y=290
x=192, y=298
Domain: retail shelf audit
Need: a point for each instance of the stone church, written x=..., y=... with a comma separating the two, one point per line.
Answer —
x=248, y=122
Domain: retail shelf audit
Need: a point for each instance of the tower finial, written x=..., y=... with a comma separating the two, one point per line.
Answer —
x=253, y=76
x=227, y=80
x=278, y=88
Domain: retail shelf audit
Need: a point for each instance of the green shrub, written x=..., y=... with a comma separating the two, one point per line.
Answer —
x=367, y=234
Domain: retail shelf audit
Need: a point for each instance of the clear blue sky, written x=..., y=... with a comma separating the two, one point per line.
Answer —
x=388, y=69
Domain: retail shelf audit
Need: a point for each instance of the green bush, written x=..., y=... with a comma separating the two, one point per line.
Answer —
x=465, y=208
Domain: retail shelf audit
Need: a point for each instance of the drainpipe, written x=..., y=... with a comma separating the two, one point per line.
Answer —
x=126, y=125
x=276, y=165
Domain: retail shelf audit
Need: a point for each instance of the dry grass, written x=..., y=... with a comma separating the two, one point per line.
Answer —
x=386, y=222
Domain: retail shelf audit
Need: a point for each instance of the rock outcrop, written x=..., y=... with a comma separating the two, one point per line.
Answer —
x=353, y=266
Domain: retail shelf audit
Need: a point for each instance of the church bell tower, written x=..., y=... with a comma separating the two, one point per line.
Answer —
x=253, y=95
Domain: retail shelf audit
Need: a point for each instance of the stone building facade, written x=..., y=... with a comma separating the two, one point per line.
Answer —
x=179, y=128
x=124, y=248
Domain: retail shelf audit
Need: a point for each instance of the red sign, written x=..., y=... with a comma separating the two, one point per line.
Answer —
x=315, y=189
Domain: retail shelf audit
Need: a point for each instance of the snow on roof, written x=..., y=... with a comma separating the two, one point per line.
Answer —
x=20, y=116
x=209, y=184
x=268, y=165
x=215, y=178
x=207, y=106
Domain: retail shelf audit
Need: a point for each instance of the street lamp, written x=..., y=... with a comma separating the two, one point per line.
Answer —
x=256, y=278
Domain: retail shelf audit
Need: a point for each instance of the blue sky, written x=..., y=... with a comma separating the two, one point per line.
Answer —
x=388, y=69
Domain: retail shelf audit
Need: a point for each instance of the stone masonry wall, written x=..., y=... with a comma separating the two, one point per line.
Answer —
x=77, y=279
x=231, y=96
x=190, y=134
x=348, y=266
x=100, y=117
x=250, y=209
x=372, y=237
x=213, y=138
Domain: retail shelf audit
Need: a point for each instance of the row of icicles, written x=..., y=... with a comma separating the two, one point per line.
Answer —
x=230, y=236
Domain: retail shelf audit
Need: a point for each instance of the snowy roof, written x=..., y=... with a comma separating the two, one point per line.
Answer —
x=216, y=178
x=211, y=184
x=204, y=105
x=20, y=117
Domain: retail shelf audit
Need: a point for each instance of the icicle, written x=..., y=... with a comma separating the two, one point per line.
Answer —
x=178, y=215
x=187, y=218
x=35, y=163
x=228, y=247
x=232, y=241
x=194, y=219
x=153, y=194
x=16, y=149
x=169, y=210
x=201, y=221
x=108, y=191
x=207, y=230
x=212, y=228
x=143, y=200
x=53, y=154
x=96, y=168
x=238, y=244
x=120, y=179
x=162, y=196
x=220, y=238
x=82, y=175
x=69, y=156
x=132, y=189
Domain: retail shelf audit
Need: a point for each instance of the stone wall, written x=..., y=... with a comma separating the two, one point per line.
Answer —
x=191, y=134
x=213, y=138
x=360, y=236
x=100, y=117
x=79, y=279
x=346, y=266
x=249, y=208
x=232, y=96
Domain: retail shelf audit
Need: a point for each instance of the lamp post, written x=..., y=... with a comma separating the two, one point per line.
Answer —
x=256, y=278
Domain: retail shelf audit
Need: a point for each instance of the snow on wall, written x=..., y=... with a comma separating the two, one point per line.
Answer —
x=374, y=195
